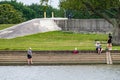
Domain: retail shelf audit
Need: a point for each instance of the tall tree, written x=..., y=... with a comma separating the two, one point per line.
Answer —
x=101, y=8
x=9, y=15
x=37, y=9
x=45, y=4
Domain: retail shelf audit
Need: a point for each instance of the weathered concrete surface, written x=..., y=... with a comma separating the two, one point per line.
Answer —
x=29, y=27
x=85, y=25
x=57, y=58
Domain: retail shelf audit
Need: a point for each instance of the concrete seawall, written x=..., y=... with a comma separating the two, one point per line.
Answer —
x=58, y=58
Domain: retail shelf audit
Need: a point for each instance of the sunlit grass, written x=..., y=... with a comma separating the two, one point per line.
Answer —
x=56, y=40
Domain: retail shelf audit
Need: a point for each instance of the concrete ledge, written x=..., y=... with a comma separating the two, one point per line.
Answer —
x=57, y=57
x=46, y=52
x=56, y=51
x=45, y=64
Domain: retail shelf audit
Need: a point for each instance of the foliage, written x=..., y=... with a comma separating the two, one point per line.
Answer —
x=39, y=10
x=9, y=15
x=27, y=12
x=81, y=14
x=34, y=10
x=78, y=10
x=99, y=7
x=45, y=4
x=96, y=4
x=59, y=12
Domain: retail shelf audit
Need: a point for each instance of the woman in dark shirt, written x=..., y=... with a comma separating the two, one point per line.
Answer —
x=109, y=42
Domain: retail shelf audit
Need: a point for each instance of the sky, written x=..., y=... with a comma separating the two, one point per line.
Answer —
x=54, y=3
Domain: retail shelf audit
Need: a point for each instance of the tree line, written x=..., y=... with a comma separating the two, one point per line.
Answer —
x=12, y=12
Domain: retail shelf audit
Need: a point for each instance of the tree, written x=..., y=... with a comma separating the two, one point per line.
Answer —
x=101, y=8
x=25, y=10
x=45, y=4
x=9, y=15
x=37, y=9
x=34, y=10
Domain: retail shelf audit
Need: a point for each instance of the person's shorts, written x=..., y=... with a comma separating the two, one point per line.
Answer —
x=98, y=49
x=29, y=56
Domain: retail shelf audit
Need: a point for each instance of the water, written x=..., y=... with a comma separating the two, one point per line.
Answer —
x=76, y=72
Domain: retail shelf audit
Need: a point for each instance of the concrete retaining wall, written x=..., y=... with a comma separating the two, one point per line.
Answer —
x=85, y=25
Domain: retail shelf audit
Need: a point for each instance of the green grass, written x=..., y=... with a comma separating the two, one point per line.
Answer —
x=3, y=26
x=56, y=40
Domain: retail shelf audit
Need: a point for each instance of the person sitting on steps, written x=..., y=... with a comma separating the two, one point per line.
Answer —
x=75, y=51
x=98, y=47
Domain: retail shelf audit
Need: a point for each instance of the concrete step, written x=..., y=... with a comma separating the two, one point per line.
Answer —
x=115, y=58
x=54, y=58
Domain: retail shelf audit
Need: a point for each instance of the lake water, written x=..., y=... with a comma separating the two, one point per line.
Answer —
x=72, y=72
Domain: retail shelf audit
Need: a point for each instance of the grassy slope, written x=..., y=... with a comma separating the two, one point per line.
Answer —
x=53, y=41
x=56, y=40
x=3, y=26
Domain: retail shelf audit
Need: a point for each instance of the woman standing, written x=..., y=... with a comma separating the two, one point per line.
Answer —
x=109, y=42
x=29, y=56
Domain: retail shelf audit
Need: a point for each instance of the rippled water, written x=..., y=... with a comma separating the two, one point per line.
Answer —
x=76, y=72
